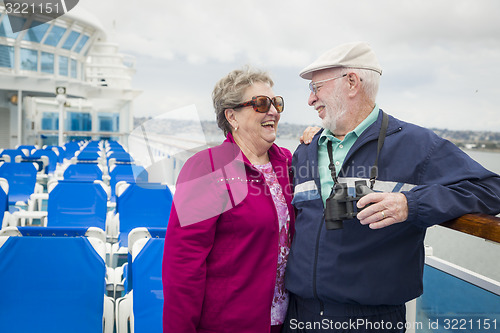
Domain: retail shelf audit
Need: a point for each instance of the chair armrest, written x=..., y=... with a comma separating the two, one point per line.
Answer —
x=7, y=220
x=106, y=179
x=112, y=227
x=38, y=188
x=19, y=218
x=124, y=313
x=110, y=279
x=35, y=201
x=108, y=318
x=119, y=279
x=41, y=178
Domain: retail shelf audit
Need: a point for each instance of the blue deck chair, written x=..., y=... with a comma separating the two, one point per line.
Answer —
x=41, y=163
x=53, y=159
x=143, y=305
x=114, y=144
x=111, y=149
x=114, y=147
x=29, y=148
x=129, y=173
x=77, y=204
x=21, y=178
x=88, y=155
x=120, y=156
x=53, y=280
x=93, y=143
x=70, y=149
x=12, y=153
x=60, y=152
x=83, y=171
x=139, y=205
x=142, y=205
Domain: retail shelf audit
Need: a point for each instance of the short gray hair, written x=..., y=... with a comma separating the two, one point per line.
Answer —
x=370, y=81
x=228, y=92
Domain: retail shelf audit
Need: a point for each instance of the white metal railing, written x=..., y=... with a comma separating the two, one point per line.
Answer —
x=463, y=274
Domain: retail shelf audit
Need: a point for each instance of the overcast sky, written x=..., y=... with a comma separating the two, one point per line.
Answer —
x=440, y=58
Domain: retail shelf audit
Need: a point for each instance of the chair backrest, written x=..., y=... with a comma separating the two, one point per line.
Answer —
x=28, y=148
x=21, y=178
x=147, y=254
x=52, y=280
x=50, y=154
x=129, y=173
x=78, y=204
x=71, y=148
x=60, y=152
x=93, y=144
x=120, y=156
x=83, y=171
x=143, y=205
x=88, y=155
x=12, y=153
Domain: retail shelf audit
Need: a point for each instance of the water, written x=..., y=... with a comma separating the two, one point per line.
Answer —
x=290, y=144
x=470, y=252
x=490, y=160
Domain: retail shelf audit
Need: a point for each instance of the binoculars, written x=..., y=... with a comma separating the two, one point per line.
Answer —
x=340, y=205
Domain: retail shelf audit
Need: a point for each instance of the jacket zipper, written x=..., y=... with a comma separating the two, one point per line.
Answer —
x=315, y=292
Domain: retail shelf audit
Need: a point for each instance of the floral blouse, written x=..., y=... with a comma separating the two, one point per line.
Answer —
x=280, y=299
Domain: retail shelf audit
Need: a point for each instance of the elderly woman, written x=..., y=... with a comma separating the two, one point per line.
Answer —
x=229, y=232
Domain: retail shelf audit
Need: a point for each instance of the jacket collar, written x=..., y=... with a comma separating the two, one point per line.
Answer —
x=275, y=153
x=370, y=134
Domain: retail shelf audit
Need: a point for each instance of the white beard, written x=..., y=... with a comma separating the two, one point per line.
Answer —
x=335, y=109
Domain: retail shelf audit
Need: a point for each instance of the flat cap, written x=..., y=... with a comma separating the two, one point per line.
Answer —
x=354, y=55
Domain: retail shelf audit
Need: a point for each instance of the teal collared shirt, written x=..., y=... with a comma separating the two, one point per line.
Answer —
x=340, y=150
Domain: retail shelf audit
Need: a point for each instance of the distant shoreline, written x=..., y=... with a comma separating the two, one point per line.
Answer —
x=483, y=141
x=486, y=150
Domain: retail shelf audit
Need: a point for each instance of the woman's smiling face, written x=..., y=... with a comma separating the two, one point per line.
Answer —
x=254, y=127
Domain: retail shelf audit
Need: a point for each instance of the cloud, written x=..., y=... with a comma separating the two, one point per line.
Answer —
x=435, y=55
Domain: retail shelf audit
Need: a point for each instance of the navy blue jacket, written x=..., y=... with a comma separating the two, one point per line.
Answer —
x=373, y=267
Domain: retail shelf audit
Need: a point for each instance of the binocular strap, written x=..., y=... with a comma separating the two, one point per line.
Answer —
x=374, y=168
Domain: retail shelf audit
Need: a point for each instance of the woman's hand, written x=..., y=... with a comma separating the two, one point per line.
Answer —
x=308, y=134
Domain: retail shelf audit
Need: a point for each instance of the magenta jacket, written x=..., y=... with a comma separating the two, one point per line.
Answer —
x=221, y=247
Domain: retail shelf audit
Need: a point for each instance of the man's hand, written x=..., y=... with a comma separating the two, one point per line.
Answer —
x=385, y=209
x=308, y=134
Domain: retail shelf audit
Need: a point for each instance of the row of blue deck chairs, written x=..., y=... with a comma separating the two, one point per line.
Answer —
x=62, y=247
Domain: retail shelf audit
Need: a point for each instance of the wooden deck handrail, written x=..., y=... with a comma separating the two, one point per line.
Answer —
x=480, y=225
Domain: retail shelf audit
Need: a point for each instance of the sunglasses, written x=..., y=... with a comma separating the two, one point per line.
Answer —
x=262, y=104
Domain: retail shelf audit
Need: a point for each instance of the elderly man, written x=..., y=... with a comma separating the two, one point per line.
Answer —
x=356, y=273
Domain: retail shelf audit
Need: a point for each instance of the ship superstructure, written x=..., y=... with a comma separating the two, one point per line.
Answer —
x=65, y=66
